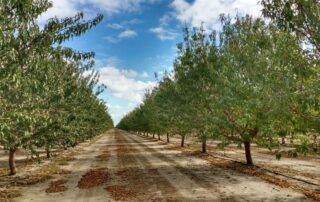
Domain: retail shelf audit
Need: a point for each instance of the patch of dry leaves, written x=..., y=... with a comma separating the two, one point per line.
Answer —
x=313, y=195
x=93, y=178
x=57, y=186
x=121, y=192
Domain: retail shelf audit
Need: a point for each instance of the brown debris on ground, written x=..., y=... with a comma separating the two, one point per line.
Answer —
x=57, y=186
x=121, y=192
x=132, y=175
x=225, y=164
x=9, y=194
x=93, y=178
x=253, y=171
x=313, y=195
x=104, y=156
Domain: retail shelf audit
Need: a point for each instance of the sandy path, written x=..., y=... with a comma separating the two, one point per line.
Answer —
x=142, y=170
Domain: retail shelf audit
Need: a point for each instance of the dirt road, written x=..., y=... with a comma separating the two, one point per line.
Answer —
x=126, y=167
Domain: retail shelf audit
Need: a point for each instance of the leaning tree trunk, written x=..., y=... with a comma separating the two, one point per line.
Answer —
x=247, y=146
x=182, y=140
x=12, y=165
x=168, y=140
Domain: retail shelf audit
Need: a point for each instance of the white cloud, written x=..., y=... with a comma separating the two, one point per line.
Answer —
x=61, y=9
x=67, y=8
x=122, y=35
x=128, y=34
x=124, y=24
x=121, y=84
x=163, y=31
x=144, y=75
x=115, y=26
x=164, y=34
x=129, y=73
x=208, y=11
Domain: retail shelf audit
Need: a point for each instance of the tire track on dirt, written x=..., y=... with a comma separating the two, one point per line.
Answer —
x=178, y=176
x=146, y=178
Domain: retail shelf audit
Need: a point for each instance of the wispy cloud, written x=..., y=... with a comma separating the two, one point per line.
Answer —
x=67, y=8
x=163, y=31
x=128, y=34
x=115, y=26
x=124, y=24
x=164, y=34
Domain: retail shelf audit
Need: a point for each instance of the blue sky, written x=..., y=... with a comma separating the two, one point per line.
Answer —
x=138, y=38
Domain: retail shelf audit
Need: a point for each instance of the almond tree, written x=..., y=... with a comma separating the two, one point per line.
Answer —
x=302, y=18
x=26, y=73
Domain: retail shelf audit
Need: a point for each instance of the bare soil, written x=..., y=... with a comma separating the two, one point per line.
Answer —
x=126, y=167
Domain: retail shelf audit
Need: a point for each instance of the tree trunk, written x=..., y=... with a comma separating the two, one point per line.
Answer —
x=48, y=151
x=247, y=146
x=283, y=141
x=182, y=141
x=158, y=136
x=12, y=165
x=168, y=140
x=153, y=135
x=204, y=144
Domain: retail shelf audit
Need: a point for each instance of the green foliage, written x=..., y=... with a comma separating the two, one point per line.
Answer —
x=299, y=16
x=45, y=99
x=252, y=82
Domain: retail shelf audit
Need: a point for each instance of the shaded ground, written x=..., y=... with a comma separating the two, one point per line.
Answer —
x=126, y=167
x=305, y=168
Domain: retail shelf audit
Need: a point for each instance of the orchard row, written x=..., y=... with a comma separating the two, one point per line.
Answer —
x=254, y=81
x=46, y=99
